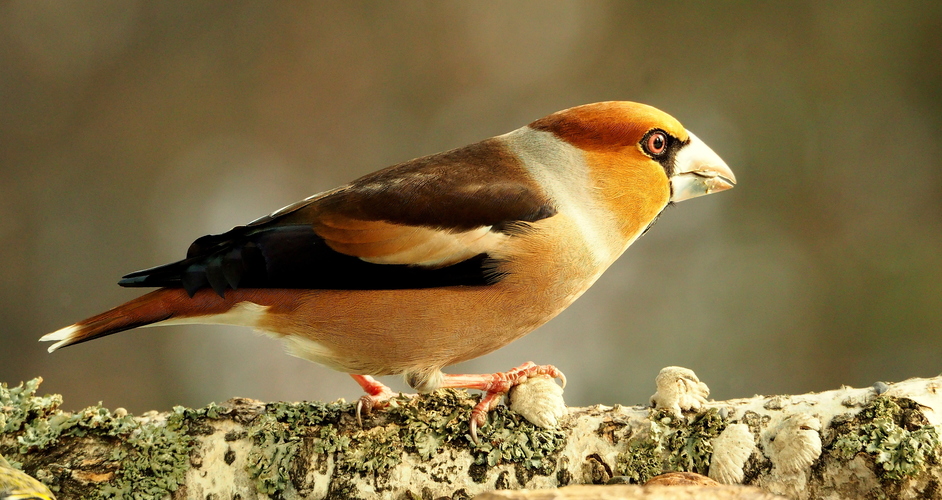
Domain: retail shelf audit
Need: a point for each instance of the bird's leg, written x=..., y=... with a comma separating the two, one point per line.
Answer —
x=377, y=395
x=495, y=385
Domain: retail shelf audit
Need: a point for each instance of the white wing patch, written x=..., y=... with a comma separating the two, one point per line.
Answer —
x=434, y=248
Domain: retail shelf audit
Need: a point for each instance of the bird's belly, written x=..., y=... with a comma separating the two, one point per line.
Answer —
x=383, y=332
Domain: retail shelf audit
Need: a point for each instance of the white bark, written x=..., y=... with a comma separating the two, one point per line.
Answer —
x=846, y=443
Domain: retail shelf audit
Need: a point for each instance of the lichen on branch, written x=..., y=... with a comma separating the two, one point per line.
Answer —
x=876, y=441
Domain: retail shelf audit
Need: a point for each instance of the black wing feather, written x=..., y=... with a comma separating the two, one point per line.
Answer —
x=476, y=186
x=296, y=257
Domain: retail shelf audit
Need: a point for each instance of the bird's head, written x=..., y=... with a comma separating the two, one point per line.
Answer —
x=636, y=147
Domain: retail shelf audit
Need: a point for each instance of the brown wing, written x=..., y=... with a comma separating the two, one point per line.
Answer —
x=432, y=221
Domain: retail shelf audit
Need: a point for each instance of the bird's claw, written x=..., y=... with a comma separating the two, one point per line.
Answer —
x=474, y=425
x=377, y=396
x=530, y=369
x=368, y=404
x=480, y=411
x=501, y=383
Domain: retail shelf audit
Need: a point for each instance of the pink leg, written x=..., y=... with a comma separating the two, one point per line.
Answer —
x=495, y=385
x=377, y=395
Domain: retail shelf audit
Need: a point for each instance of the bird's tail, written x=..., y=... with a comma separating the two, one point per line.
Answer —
x=155, y=307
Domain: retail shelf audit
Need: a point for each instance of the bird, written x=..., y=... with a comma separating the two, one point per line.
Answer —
x=437, y=260
x=18, y=485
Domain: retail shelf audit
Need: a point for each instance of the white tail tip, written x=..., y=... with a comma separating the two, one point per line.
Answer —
x=62, y=335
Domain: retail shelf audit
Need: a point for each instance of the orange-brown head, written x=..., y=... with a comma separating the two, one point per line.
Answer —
x=640, y=158
x=638, y=133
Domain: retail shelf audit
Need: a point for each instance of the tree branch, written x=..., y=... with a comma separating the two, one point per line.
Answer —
x=871, y=442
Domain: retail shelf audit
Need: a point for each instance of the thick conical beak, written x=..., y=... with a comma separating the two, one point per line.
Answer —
x=699, y=171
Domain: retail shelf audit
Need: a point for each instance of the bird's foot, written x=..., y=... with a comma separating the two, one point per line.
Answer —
x=377, y=395
x=495, y=386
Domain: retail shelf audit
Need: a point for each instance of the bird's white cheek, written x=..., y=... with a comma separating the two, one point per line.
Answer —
x=561, y=170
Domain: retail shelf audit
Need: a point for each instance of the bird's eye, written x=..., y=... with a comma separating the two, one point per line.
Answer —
x=656, y=143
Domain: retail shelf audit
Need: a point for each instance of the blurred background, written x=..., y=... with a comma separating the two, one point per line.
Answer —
x=130, y=128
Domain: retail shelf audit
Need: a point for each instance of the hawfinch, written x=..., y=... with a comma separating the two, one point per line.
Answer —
x=440, y=259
